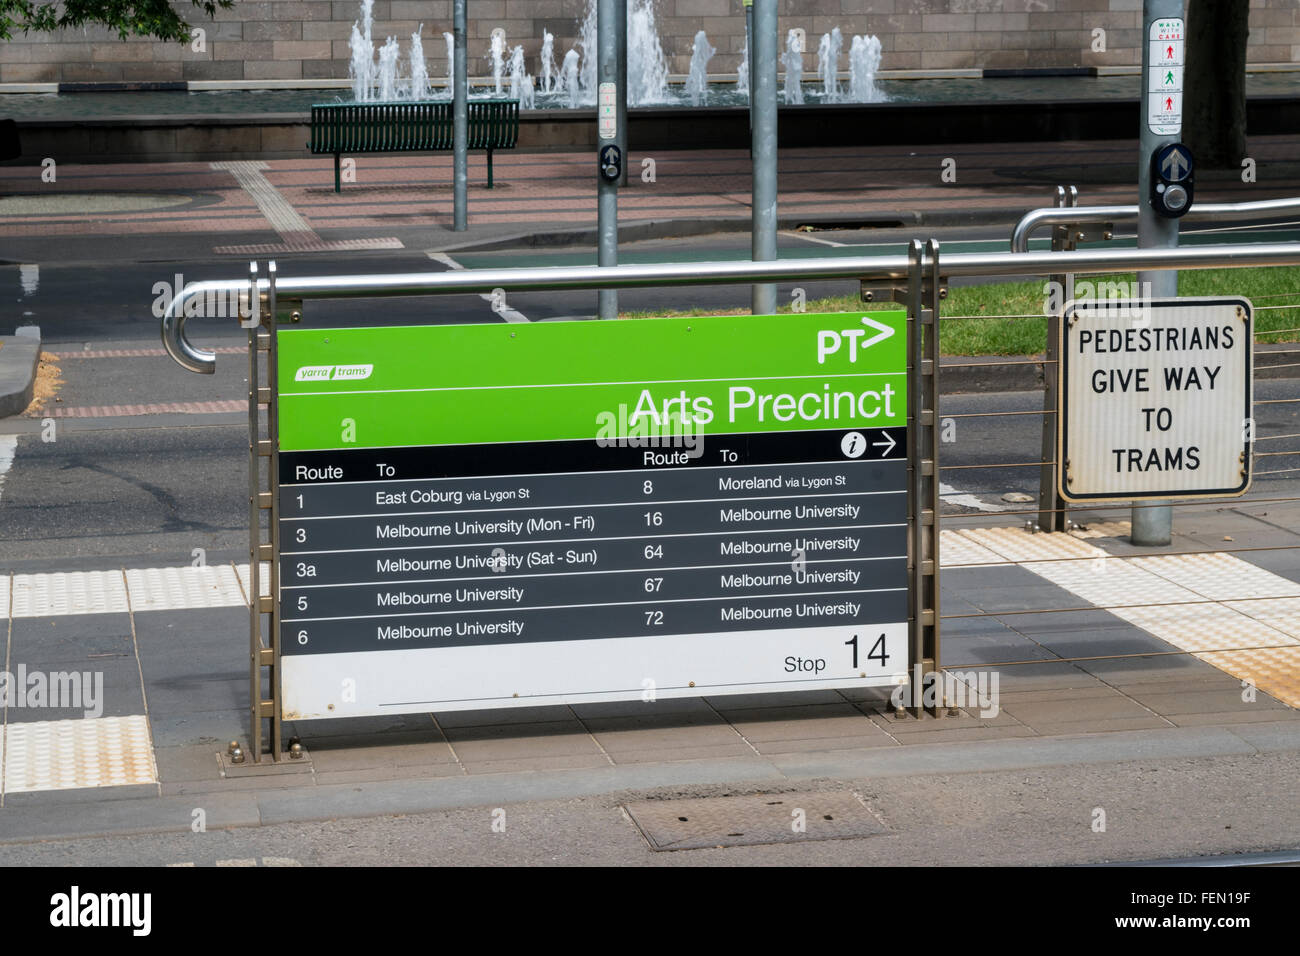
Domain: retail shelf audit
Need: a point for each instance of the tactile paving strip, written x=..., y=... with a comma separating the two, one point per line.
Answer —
x=169, y=589
x=1282, y=613
x=956, y=551
x=71, y=592
x=1219, y=577
x=1273, y=670
x=71, y=754
x=748, y=821
x=1179, y=604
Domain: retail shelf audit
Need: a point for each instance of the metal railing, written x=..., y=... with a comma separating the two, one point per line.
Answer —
x=914, y=279
x=558, y=278
x=1031, y=222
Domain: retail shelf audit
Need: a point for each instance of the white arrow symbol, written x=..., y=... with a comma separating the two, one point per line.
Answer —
x=888, y=447
x=1175, y=165
x=882, y=332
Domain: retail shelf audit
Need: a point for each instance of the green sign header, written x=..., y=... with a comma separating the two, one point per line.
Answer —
x=545, y=381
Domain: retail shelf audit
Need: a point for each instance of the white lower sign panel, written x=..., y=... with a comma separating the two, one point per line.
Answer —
x=472, y=677
x=1155, y=398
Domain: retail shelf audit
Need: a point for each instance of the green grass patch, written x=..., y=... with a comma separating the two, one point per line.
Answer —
x=1005, y=318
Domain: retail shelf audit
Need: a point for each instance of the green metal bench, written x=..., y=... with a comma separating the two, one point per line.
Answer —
x=416, y=127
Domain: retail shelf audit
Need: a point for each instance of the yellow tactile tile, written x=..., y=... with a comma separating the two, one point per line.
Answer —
x=1219, y=577
x=1282, y=614
x=71, y=754
x=956, y=551
x=1273, y=670
x=1185, y=600
x=1016, y=544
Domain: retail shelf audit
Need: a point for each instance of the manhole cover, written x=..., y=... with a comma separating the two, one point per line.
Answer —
x=746, y=821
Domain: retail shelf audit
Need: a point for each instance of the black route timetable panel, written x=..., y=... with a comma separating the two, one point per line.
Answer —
x=442, y=546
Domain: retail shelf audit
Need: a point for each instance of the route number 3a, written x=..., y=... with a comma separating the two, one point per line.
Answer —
x=877, y=652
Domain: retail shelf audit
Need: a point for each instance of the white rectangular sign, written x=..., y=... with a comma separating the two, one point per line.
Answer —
x=1155, y=398
x=607, y=110
x=1164, y=90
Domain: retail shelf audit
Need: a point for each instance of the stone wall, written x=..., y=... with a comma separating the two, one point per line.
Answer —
x=308, y=39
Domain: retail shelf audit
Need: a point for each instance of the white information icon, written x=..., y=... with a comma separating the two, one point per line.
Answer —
x=853, y=445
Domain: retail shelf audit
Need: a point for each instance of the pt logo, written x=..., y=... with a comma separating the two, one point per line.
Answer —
x=830, y=342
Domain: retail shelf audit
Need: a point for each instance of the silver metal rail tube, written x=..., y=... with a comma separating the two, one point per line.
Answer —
x=559, y=278
x=460, y=121
x=762, y=97
x=1031, y=222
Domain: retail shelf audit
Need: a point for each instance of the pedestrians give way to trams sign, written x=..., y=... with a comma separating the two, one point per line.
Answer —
x=1155, y=399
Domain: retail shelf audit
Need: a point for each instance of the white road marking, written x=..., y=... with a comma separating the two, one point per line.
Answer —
x=507, y=313
x=804, y=235
x=29, y=275
x=8, y=445
x=298, y=236
x=954, y=497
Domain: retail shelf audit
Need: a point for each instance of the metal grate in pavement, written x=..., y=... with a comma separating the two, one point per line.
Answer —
x=694, y=824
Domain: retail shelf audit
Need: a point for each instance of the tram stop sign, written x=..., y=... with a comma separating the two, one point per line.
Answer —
x=496, y=515
x=1155, y=399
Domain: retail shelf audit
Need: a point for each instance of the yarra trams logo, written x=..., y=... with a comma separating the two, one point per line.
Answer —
x=333, y=373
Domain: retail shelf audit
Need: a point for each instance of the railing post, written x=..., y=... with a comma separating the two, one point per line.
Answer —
x=923, y=292
x=1051, y=506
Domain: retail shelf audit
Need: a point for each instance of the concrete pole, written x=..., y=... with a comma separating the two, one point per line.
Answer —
x=1152, y=521
x=763, y=148
x=460, y=121
x=620, y=29
x=606, y=191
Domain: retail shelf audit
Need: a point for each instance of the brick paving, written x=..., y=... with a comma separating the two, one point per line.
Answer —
x=542, y=191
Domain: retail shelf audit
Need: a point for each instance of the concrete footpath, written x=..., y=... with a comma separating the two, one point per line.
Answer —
x=1097, y=657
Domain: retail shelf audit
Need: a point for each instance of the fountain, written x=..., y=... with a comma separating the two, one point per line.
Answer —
x=828, y=64
x=864, y=61
x=388, y=54
x=569, y=86
x=418, y=88
x=697, y=84
x=362, y=49
x=793, y=60
x=450, y=40
x=497, y=56
x=742, y=71
x=549, y=68
x=647, y=67
x=587, y=40
x=521, y=84
x=572, y=84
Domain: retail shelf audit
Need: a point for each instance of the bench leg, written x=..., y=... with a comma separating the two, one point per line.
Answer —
x=489, y=152
x=337, y=187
